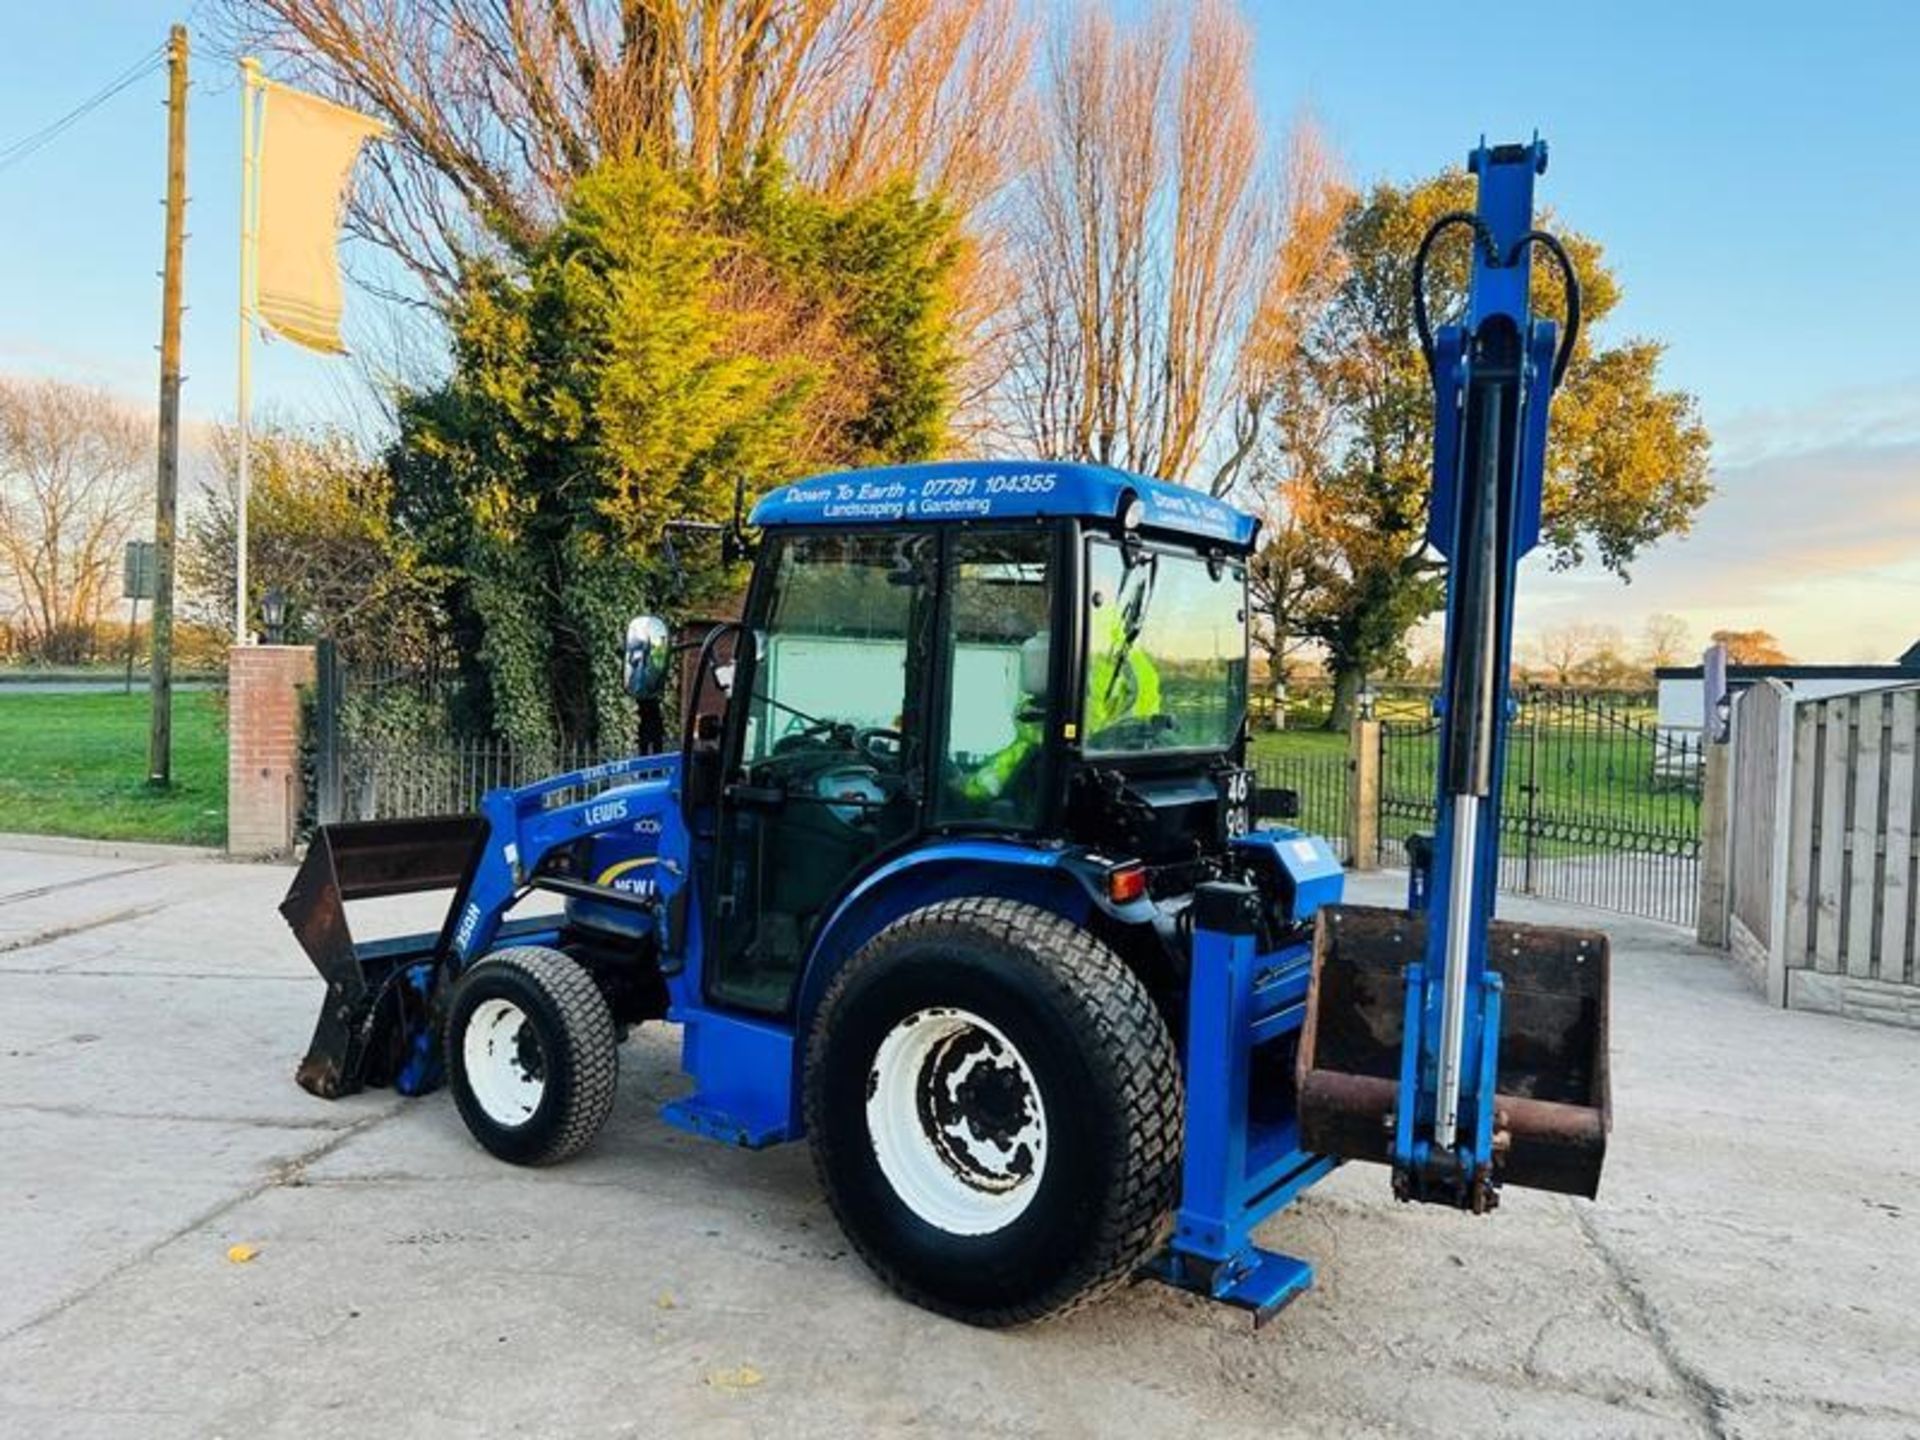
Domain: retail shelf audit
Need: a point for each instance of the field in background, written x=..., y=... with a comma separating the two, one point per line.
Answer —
x=77, y=765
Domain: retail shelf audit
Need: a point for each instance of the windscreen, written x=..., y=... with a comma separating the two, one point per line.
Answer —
x=1166, y=650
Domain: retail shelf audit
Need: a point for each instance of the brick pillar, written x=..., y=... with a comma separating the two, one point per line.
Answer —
x=263, y=745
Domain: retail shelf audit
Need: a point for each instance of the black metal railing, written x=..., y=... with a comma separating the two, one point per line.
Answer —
x=1600, y=805
x=1323, y=782
x=387, y=778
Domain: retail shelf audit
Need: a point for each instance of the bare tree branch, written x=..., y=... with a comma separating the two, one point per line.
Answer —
x=498, y=106
x=1165, y=254
x=75, y=482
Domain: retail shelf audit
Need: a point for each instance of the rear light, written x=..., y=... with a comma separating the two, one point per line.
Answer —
x=1126, y=883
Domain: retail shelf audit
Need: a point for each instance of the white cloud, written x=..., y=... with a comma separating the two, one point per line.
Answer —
x=1813, y=533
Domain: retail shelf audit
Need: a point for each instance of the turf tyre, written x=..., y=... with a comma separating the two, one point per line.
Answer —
x=1109, y=1083
x=572, y=1032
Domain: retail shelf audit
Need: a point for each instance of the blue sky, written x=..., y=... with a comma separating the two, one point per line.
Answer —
x=1750, y=167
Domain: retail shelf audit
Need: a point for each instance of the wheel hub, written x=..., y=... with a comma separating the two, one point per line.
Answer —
x=957, y=1121
x=505, y=1064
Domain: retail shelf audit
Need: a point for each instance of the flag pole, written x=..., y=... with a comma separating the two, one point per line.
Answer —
x=249, y=240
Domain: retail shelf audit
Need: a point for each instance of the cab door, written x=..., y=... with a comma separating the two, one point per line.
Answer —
x=828, y=765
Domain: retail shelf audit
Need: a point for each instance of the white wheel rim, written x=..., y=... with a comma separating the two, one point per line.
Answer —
x=957, y=1121
x=506, y=1068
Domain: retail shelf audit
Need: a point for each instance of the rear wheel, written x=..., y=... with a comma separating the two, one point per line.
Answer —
x=532, y=1056
x=994, y=1106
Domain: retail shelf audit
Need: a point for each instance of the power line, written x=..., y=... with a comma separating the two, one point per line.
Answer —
x=28, y=145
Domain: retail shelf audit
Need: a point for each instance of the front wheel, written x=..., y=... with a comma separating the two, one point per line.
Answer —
x=532, y=1057
x=994, y=1107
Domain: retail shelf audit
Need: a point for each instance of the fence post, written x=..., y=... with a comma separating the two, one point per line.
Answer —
x=1363, y=795
x=326, y=740
x=1716, y=792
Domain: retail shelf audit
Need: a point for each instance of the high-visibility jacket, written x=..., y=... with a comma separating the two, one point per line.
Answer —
x=1116, y=694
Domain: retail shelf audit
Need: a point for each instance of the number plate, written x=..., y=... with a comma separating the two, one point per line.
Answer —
x=1236, y=804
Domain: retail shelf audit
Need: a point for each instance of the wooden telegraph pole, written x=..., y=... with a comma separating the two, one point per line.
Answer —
x=167, y=490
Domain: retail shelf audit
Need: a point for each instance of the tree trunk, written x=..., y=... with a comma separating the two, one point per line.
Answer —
x=1278, y=720
x=1346, y=696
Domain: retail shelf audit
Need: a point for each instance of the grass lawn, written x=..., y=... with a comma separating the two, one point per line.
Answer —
x=77, y=765
x=1294, y=744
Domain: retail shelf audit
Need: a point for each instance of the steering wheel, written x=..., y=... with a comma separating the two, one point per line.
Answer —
x=1135, y=732
x=835, y=733
x=880, y=746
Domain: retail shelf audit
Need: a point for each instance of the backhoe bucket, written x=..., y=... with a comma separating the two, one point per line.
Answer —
x=1552, y=1105
x=369, y=1012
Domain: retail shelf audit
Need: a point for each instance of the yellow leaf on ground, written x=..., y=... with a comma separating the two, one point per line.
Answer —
x=743, y=1377
x=240, y=1254
x=666, y=1300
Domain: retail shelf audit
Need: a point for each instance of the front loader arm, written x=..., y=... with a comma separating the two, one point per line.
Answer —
x=525, y=828
x=376, y=1025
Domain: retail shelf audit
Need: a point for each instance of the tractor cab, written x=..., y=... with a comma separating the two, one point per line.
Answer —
x=1046, y=656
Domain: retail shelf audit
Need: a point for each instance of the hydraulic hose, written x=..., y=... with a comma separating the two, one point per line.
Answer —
x=1483, y=237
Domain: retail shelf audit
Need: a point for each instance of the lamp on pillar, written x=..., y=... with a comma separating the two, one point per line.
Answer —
x=273, y=614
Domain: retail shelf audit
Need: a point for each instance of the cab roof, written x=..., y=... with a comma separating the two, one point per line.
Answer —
x=960, y=490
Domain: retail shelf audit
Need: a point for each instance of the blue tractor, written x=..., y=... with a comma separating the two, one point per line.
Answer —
x=959, y=874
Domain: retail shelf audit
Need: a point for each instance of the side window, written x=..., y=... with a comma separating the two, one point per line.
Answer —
x=832, y=671
x=998, y=658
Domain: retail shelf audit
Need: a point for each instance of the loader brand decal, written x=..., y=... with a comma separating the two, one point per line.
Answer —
x=469, y=918
x=621, y=876
x=608, y=812
x=604, y=769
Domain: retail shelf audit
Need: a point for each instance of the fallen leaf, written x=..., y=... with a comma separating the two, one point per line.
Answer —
x=240, y=1254
x=666, y=1300
x=744, y=1377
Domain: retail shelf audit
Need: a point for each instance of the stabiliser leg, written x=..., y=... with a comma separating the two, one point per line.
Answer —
x=1243, y=1159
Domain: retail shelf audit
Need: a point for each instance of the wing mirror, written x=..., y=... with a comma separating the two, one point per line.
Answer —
x=646, y=653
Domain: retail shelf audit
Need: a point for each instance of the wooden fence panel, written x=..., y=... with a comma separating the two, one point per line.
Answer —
x=1826, y=797
x=1800, y=870
x=1830, y=846
x=1896, y=903
x=1858, y=819
x=1861, y=934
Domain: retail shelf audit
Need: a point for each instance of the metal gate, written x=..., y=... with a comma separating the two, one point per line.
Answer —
x=1600, y=805
x=384, y=743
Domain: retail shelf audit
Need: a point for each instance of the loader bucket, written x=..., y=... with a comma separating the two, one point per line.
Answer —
x=1552, y=1101
x=365, y=1020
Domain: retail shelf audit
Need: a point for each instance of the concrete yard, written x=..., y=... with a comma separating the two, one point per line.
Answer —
x=1751, y=1269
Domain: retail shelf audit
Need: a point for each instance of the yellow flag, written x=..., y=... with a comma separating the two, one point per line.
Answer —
x=307, y=148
